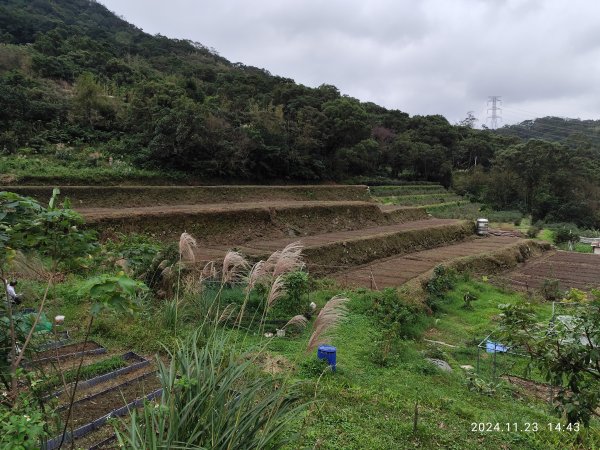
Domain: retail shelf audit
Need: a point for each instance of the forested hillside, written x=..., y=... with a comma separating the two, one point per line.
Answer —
x=81, y=88
x=572, y=132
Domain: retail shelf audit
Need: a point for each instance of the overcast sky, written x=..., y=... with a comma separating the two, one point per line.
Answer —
x=420, y=56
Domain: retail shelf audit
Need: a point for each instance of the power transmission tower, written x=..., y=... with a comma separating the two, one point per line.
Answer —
x=493, y=105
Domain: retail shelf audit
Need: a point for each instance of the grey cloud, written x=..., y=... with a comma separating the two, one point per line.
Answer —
x=419, y=56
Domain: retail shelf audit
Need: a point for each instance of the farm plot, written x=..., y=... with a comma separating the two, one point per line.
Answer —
x=104, y=394
x=328, y=238
x=86, y=410
x=397, y=270
x=420, y=199
x=139, y=196
x=236, y=223
x=572, y=270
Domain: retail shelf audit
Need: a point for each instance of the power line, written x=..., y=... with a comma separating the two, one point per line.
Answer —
x=495, y=101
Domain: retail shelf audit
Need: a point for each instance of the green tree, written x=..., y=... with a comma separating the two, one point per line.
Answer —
x=347, y=122
x=51, y=232
x=89, y=104
x=566, y=351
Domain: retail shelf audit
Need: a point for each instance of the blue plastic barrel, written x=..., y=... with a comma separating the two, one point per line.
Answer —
x=328, y=352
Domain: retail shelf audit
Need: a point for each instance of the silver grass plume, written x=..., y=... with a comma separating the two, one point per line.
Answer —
x=187, y=245
x=331, y=315
x=233, y=265
x=298, y=321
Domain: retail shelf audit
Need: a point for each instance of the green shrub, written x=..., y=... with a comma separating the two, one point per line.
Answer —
x=23, y=425
x=564, y=233
x=469, y=298
x=138, y=250
x=504, y=216
x=550, y=290
x=313, y=367
x=424, y=367
x=396, y=316
x=296, y=287
x=533, y=231
x=436, y=287
x=574, y=295
x=214, y=398
x=591, y=233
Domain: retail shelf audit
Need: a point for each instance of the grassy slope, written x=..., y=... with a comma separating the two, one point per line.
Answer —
x=548, y=236
x=367, y=406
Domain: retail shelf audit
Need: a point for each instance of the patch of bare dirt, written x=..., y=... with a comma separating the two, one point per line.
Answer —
x=540, y=391
x=274, y=364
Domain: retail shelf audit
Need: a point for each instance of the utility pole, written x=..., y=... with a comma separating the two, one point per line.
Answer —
x=493, y=105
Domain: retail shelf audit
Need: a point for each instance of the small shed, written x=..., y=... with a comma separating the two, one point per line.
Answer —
x=596, y=247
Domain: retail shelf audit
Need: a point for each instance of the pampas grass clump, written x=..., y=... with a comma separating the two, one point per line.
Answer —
x=187, y=246
x=331, y=315
x=234, y=264
x=300, y=322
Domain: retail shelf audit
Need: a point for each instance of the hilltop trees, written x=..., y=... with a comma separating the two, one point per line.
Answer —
x=75, y=75
x=549, y=180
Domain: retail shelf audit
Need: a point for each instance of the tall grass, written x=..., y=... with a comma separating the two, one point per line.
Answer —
x=213, y=394
x=331, y=315
x=214, y=398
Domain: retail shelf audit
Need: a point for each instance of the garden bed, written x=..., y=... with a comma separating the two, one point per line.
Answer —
x=92, y=412
x=66, y=350
x=115, y=377
x=87, y=409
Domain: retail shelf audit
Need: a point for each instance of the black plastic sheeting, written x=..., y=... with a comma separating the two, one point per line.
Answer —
x=103, y=443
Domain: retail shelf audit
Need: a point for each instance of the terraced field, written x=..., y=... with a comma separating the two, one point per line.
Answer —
x=236, y=223
x=346, y=234
x=578, y=270
x=420, y=199
x=266, y=247
x=138, y=196
x=341, y=227
x=397, y=270
x=329, y=252
x=386, y=191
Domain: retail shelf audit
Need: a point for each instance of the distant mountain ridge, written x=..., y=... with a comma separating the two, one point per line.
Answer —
x=556, y=129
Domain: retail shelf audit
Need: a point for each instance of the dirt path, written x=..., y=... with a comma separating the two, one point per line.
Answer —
x=571, y=269
x=398, y=270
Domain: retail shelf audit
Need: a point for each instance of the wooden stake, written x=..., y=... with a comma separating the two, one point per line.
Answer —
x=416, y=417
